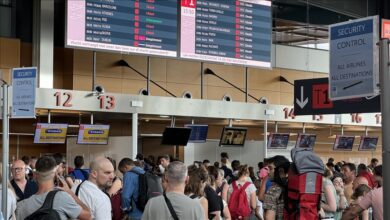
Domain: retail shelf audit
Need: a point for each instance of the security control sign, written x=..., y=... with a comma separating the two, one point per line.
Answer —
x=311, y=98
x=354, y=58
x=24, y=83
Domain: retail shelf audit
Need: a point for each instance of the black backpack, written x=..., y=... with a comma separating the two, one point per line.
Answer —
x=46, y=212
x=149, y=186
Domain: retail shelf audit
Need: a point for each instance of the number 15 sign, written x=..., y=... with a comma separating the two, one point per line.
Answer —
x=311, y=98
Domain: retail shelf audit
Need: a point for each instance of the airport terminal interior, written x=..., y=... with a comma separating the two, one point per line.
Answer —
x=188, y=78
x=298, y=48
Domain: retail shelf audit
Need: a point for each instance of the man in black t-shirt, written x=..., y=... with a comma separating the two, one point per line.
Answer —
x=23, y=187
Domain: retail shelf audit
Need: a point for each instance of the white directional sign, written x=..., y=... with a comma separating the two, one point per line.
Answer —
x=302, y=102
x=23, y=92
x=354, y=59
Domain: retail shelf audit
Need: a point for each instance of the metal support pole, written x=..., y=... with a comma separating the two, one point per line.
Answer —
x=276, y=127
x=148, y=77
x=230, y=122
x=43, y=41
x=134, y=132
x=48, y=116
x=265, y=138
x=304, y=128
x=201, y=81
x=4, y=181
x=173, y=121
x=91, y=118
x=385, y=109
x=94, y=71
x=17, y=147
x=342, y=129
x=366, y=131
x=246, y=84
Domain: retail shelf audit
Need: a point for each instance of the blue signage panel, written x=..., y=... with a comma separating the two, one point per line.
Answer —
x=23, y=92
x=354, y=59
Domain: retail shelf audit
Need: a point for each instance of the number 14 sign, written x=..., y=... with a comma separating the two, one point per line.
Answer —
x=311, y=97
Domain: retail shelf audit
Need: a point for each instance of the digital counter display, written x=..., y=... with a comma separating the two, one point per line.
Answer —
x=229, y=31
x=127, y=26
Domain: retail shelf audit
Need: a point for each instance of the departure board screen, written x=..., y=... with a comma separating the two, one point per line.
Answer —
x=127, y=26
x=229, y=31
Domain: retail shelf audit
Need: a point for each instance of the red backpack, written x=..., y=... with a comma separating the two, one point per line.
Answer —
x=303, y=198
x=238, y=203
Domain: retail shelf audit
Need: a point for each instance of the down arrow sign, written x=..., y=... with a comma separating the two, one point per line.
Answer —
x=302, y=102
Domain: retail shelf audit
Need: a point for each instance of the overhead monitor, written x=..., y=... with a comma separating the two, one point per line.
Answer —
x=343, y=143
x=278, y=140
x=46, y=133
x=176, y=136
x=125, y=26
x=234, y=32
x=306, y=140
x=198, y=133
x=93, y=134
x=368, y=143
x=233, y=136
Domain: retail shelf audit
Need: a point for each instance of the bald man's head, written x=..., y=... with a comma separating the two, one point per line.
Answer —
x=358, y=181
x=101, y=172
x=96, y=163
x=18, y=170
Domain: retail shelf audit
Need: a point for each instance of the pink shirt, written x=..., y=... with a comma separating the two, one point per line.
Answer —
x=374, y=199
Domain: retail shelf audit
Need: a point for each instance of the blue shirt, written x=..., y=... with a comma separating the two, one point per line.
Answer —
x=80, y=174
x=130, y=192
x=268, y=184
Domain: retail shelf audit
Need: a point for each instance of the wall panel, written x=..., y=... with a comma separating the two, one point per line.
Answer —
x=261, y=79
x=292, y=75
x=82, y=82
x=273, y=97
x=9, y=53
x=83, y=62
x=184, y=72
x=158, y=69
x=178, y=89
x=137, y=62
x=106, y=65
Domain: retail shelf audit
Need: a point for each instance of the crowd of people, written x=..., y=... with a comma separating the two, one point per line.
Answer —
x=223, y=190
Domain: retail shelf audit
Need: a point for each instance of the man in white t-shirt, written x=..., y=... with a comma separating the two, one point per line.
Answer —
x=91, y=191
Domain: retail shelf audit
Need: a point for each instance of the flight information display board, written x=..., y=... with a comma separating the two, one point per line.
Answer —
x=229, y=31
x=129, y=26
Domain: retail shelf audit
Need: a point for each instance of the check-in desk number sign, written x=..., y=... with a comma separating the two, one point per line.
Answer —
x=64, y=99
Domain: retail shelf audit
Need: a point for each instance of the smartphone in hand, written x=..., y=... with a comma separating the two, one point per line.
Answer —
x=263, y=172
x=60, y=180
